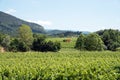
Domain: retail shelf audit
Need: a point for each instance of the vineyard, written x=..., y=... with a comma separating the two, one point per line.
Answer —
x=67, y=64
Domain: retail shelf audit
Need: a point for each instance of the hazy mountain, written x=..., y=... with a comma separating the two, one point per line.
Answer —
x=52, y=32
x=65, y=33
x=9, y=24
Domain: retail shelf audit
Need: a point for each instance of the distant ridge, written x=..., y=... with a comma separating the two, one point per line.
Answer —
x=65, y=33
x=57, y=31
x=9, y=24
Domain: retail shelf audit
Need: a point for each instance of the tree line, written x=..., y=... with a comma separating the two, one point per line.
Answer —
x=26, y=41
x=107, y=39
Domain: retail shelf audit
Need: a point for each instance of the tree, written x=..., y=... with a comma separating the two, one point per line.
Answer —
x=6, y=42
x=50, y=46
x=25, y=35
x=17, y=45
x=111, y=38
x=14, y=45
x=2, y=36
x=94, y=42
x=39, y=44
x=91, y=42
x=80, y=43
x=42, y=37
x=53, y=46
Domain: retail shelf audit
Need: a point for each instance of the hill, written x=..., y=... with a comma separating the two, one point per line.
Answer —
x=52, y=32
x=65, y=33
x=9, y=24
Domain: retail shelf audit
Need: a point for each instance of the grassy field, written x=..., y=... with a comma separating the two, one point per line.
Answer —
x=67, y=64
x=70, y=44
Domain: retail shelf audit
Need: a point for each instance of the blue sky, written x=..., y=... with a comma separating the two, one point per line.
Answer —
x=78, y=15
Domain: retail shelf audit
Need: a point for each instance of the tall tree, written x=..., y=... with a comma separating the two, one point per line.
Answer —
x=94, y=42
x=111, y=38
x=80, y=43
x=25, y=35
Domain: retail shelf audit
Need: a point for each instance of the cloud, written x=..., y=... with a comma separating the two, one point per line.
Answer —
x=10, y=11
x=44, y=23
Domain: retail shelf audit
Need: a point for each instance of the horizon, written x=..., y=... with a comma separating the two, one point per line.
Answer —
x=75, y=15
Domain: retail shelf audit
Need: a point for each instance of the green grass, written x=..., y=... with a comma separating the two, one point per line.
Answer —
x=67, y=64
x=65, y=44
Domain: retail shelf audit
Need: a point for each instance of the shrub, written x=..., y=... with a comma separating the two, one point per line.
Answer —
x=51, y=46
x=39, y=44
x=17, y=45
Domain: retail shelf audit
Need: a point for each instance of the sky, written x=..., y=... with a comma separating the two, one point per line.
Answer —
x=76, y=15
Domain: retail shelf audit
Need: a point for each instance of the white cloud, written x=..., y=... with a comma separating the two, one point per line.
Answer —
x=10, y=11
x=44, y=23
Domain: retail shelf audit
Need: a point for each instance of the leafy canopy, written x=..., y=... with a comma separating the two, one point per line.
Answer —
x=25, y=35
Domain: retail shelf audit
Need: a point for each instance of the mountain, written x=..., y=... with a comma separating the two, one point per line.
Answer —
x=52, y=32
x=10, y=24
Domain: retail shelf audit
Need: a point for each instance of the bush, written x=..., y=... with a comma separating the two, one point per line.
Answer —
x=39, y=44
x=23, y=47
x=17, y=45
x=113, y=45
x=53, y=46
